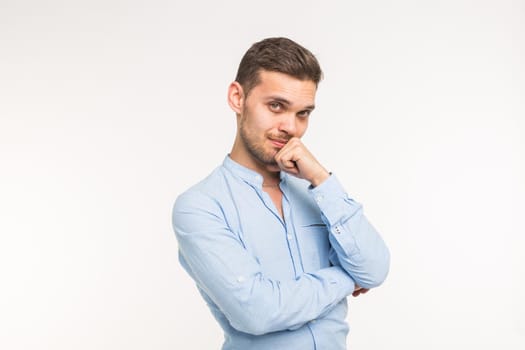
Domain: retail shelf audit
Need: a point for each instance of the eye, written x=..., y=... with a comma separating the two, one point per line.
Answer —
x=304, y=114
x=275, y=106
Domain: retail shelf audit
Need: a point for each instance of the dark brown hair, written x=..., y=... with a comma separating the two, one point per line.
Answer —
x=277, y=55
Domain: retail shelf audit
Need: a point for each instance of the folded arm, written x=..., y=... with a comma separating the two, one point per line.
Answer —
x=221, y=266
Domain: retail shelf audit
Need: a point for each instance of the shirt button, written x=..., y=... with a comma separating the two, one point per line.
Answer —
x=337, y=230
x=319, y=198
x=289, y=236
x=240, y=279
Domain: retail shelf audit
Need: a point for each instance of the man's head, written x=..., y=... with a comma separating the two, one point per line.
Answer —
x=277, y=55
x=272, y=96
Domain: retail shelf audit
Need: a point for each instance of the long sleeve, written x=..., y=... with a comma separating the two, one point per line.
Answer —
x=221, y=266
x=359, y=248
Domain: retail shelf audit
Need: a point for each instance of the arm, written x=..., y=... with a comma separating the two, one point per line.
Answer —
x=253, y=303
x=357, y=246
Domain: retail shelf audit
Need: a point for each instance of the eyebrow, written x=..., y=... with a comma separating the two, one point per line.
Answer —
x=288, y=103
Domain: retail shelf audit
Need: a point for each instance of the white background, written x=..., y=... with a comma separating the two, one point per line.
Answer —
x=110, y=109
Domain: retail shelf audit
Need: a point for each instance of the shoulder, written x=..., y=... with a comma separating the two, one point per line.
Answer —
x=203, y=206
x=205, y=192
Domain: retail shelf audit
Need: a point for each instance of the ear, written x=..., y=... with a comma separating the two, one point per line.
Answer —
x=236, y=97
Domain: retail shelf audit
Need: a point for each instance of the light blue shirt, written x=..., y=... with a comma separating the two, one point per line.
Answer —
x=275, y=283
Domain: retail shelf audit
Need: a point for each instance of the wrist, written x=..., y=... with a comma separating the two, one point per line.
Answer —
x=319, y=178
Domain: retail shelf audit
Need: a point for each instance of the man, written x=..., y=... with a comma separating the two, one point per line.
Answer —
x=270, y=237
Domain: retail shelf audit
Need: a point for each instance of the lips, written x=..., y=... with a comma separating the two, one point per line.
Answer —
x=278, y=142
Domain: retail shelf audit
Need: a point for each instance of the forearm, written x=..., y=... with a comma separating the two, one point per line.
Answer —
x=259, y=305
x=357, y=246
x=234, y=280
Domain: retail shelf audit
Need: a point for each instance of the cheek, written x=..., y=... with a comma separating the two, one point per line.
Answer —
x=262, y=122
x=255, y=129
x=301, y=128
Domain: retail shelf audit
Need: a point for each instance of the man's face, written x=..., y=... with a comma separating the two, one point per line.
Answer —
x=275, y=110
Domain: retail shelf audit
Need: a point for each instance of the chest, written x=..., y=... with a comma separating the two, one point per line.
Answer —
x=276, y=197
x=284, y=232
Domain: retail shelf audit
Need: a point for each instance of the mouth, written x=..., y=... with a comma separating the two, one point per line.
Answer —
x=278, y=143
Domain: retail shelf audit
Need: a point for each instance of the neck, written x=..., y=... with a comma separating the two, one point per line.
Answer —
x=270, y=173
x=270, y=184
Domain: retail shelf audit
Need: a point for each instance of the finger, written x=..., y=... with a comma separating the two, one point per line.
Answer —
x=359, y=291
x=289, y=164
x=286, y=153
x=286, y=160
x=293, y=170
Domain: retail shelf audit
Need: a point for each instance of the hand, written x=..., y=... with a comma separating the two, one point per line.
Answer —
x=295, y=159
x=359, y=290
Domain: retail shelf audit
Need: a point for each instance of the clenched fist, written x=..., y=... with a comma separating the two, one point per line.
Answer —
x=295, y=159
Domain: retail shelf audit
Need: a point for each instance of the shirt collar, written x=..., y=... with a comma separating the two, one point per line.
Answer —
x=250, y=176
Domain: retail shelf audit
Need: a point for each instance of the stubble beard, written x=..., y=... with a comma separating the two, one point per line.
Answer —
x=255, y=149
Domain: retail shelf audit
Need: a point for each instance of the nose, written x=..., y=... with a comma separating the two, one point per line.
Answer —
x=287, y=124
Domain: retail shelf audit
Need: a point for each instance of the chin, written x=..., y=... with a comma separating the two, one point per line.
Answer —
x=274, y=168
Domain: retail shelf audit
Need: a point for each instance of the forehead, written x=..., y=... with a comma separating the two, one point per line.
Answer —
x=275, y=84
